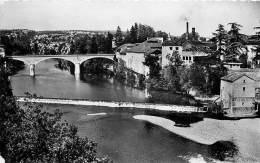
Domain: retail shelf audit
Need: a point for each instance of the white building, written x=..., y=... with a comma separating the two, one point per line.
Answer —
x=232, y=65
x=133, y=55
x=240, y=93
x=168, y=49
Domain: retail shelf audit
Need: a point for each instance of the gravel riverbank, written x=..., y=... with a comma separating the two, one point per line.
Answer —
x=245, y=133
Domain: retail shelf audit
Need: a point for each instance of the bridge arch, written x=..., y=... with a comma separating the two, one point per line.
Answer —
x=94, y=57
x=33, y=60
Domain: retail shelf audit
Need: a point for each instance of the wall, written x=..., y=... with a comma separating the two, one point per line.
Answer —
x=238, y=97
x=226, y=94
x=188, y=56
x=169, y=50
x=134, y=61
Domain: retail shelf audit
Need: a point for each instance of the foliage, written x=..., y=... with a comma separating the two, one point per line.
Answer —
x=162, y=34
x=175, y=59
x=29, y=134
x=19, y=42
x=118, y=37
x=144, y=32
x=198, y=77
x=140, y=33
x=16, y=42
x=219, y=39
x=151, y=61
x=207, y=79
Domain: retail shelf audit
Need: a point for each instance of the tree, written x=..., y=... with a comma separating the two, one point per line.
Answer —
x=162, y=34
x=220, y=37
x=175, y=59
x=144, y=32
x=29, y=134
x=151, y=61
x=127, y=37
x=235, y=46
x=108, y=43
x=133, y=33
x=93, y=45
x=118, y=37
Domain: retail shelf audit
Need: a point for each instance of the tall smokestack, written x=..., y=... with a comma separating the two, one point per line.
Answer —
x=187, y=30
x=193, y=33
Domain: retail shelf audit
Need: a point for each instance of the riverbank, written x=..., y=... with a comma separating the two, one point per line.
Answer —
x=244, y=133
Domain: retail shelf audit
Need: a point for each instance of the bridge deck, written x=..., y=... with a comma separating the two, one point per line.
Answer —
x=74, y=55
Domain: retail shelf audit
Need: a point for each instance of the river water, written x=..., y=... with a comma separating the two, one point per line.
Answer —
x=118, y=134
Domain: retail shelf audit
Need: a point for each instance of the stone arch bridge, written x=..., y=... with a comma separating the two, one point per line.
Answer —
x=32, y=60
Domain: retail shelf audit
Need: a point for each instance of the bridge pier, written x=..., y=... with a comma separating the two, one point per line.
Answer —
x=77, y=71
x=32, y=69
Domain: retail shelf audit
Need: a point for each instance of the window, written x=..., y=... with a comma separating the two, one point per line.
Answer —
x=244, y=88
x=176, y=48
x=189, y=58
x=183, y=58
x=242, y=103
x=170, y=48
x=244, y=81
x=186, y=57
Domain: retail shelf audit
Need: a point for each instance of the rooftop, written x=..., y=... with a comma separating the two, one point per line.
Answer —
x=145, y=47
x=172, y=43
x=123, y=48
x=233, y=76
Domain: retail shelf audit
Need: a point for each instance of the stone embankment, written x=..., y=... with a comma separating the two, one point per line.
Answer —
x=147, y=106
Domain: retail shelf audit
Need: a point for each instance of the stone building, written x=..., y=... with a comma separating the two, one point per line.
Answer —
x=240, y=93
x=133, y=55
x=168, y=49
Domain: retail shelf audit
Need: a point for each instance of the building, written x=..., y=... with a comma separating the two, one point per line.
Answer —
x=194, y=49
x=232, y=65
x=135, y=56
x=121, y=52
x=240, y=93
x=168, y=49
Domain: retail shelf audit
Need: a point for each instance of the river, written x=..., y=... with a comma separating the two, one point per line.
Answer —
x=118, y=134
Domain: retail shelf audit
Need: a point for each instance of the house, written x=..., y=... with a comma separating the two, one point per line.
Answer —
x=232, y=65
x=192, y=49
x=121, y=52
x=135, y=56
x=240, y=93
x=168, y=49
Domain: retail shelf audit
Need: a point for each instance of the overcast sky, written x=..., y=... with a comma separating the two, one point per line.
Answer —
x=168, y=16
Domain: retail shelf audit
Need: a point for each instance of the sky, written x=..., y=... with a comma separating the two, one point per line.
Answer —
x=166, y=15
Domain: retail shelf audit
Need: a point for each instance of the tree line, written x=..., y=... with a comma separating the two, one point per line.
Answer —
x=138, y=33
x=23, y=43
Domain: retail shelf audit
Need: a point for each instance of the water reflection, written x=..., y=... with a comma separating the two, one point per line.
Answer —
x=53, y=82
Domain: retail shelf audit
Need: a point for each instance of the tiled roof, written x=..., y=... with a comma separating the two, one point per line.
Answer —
x=172, y=43
x=123, y=48
x=146, y=46
x=236, y=75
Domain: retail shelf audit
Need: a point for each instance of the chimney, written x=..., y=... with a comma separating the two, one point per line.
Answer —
x=193, y=33
x=187, y=30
